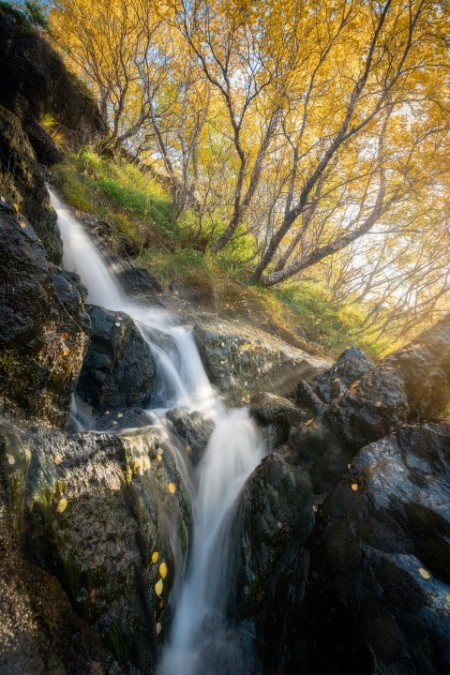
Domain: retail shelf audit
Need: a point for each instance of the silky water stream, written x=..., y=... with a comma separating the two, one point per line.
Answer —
x=201, y=641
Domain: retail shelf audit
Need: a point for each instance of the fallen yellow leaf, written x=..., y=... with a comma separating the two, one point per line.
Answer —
x=159, y=587
x=62, y=505
x=158, y=628
x=163, y=570
x=155, y=556
x=378, y=404
x=172, y=487
x=424, y=573
x=354, y=487
x=447, y=597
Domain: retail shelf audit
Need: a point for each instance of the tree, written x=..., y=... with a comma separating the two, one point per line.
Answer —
x=392, y=71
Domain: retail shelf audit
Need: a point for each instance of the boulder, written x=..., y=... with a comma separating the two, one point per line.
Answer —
x=137, y=282
x=378, y=596
x=35, y=82
x=274, y=518
x=39, y=631
x=22, y=182
x=241, y=361
x=317, y=449
x=350, y=366
x=372, y=407
x=109, y=517
x=276, y=415
x=411, y=384
x=425, y=368
x=119, y=370
x=194, y=428
x=43, y=325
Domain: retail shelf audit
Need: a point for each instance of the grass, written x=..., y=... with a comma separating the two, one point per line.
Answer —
x=141, y=223
x=132, y=202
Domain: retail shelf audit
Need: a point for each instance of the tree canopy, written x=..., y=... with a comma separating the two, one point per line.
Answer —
x=319, y=131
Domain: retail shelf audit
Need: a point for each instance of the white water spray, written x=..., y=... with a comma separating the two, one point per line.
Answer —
x=234, y=450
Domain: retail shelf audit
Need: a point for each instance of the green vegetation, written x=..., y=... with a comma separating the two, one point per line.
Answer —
x=137, y=216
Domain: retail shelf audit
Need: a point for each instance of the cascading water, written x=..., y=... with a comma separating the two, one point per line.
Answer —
x=234, y=450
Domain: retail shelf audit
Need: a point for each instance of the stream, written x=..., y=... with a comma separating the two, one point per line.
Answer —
x=200, y=635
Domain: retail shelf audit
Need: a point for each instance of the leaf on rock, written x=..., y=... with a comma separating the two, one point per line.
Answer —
x=425, y=574
x=172, y=488
x=155, y=556
x=159, y=587
x=62, y=505
x=163, y=570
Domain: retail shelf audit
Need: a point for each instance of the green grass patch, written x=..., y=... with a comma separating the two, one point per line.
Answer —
x=133, y=203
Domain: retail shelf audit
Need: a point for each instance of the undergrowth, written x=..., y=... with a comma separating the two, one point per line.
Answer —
x=141, y=223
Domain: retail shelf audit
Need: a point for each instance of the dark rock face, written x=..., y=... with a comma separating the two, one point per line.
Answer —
x=137, y=282
x=22, y=183
x=368, y=591
x=275, y=517
x=276, y=415
x=89, y=507
x=43, y=326
x=34, y=82
x=349, y=367
x=372, y=408
x=379, y=592
x=194, y=428
x=425, y=367
x=39, y=631
x=411, y=384
x=118, y=371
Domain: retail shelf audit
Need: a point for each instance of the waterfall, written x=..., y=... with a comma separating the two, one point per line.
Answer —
x=235, y=448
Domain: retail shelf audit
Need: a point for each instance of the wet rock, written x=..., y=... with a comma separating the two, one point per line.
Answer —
x=379, y=590
x=277, y=415
x=39, y=631
x=194, y=428
x=35, y=82
x=315, y=448
x=118, y=371
x=137, y=282
x=242, y=361
x=22, y=182
x=411, y=384
x=131, y=418
x=307, y=399
x=102, y=513
x=350, y=366
x=372, y=407
x=425, y=368
x=274, y=519
x=43, y=325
